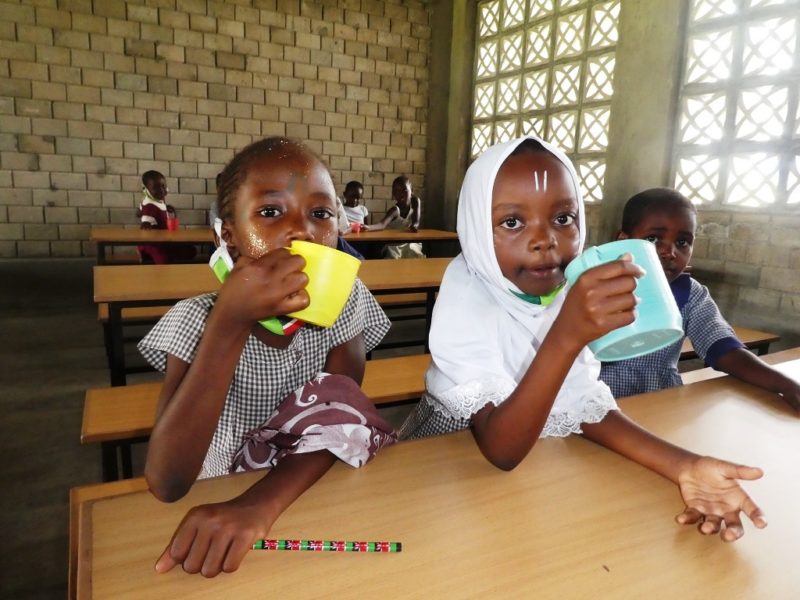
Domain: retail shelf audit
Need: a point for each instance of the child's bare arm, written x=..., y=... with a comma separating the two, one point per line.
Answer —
x=390, y=216
x=213, y=538
x=746, y=366
x=216, y=537
x=194, y=395
x=416, y=213
x=708, y=486
x=600, y=301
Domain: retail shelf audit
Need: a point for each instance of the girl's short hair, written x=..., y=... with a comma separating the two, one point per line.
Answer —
x=658, y=199
x=353, y=185
x=150, y=176
x=231, y=178
x=400, y=180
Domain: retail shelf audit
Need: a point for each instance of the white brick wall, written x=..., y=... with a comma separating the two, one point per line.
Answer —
x=95, y=92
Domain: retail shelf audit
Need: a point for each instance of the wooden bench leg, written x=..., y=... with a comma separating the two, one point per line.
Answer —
x=117, y=366
x=109, y=456
x=127, y=462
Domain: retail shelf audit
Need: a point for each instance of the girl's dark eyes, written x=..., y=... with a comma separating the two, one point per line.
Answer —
x=566, y=219
x=683, y=243
x=652, y=238
x=269, y=212
x=511, y=223
x=322, y=213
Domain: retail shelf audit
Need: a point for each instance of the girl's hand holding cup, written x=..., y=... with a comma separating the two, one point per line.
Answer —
x=601, y=300
x=265, y=287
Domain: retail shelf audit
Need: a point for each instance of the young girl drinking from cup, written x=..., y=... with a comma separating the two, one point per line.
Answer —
x=508, y=341
x=225, y=373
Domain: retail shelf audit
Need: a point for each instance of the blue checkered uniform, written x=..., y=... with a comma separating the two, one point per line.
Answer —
x=703, y=324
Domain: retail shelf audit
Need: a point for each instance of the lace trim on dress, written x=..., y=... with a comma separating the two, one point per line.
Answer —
x=466, y=399
x=591, y=410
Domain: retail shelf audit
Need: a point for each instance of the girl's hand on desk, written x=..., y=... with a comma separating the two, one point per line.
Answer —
x=714, y=498
x=213, y=538
x=265, y=287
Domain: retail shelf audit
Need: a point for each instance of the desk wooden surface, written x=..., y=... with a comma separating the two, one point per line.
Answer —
x=573, y=520
x=401, y=235
x=167, y=282
x=124, y=235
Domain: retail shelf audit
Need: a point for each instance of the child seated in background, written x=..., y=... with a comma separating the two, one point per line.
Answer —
x=405, y=214
x=154, y=213
x=225, y=373
x=508, y=339
x=668, y=219
x=353, y=196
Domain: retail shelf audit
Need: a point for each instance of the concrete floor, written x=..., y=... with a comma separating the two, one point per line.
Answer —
x=51, y=352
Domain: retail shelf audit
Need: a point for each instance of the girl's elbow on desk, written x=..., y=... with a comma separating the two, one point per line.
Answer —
x=167, y=488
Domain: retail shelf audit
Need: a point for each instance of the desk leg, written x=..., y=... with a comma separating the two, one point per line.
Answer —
x=101, y=253
x=127, y=461
x=117, y=362
x=762, y=349
x=109, y=455
x=430, y=300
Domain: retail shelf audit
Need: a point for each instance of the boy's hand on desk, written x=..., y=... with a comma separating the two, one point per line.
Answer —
x=601, y=300
x=213, y=538
x=265, y=287
x=714, y=499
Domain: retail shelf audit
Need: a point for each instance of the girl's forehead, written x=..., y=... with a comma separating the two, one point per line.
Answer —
x=288, y=165
x=536, y=174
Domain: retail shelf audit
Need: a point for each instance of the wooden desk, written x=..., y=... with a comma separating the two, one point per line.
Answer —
x=106, y=237
x=752, y=338
x=573, y=520
x=776, y=358
x=154, y=285
x=400, y=236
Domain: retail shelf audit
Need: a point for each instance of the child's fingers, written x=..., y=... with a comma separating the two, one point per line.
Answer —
x=212, y=565
x=197, y=553
x=689, y=516
x=754, y=513
x=165, y=562
x=733, y=527
x=236, y=553
x=711, y=524
x=178, y=548
x=735, y=471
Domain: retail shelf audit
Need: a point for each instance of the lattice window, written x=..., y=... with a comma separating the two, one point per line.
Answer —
x=738, y=135
x=547, y=67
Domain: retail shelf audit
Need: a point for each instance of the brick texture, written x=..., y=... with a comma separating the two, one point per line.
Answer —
x=92, y=94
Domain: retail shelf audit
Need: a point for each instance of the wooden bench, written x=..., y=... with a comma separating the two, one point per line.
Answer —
x=79, y=495
x=751, y=338
x=118, y=417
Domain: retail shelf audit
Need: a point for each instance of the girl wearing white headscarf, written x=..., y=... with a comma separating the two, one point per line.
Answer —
x=513, y=367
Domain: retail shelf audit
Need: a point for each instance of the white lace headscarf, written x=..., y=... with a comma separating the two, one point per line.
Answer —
x=483, y=337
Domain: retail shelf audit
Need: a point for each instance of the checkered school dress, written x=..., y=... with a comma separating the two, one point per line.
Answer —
x=264, y=376
x=703, y=324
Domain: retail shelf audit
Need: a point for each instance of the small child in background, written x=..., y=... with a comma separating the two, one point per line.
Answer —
x=668, y=219
x=225, y=373
x=155, y=213
x=405, y=214
x=354, y=209
x=508, y=340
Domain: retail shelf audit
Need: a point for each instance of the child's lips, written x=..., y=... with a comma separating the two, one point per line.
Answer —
x=543, y=271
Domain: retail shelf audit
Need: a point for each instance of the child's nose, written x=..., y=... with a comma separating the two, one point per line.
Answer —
x=542, y=238
x=300, y=229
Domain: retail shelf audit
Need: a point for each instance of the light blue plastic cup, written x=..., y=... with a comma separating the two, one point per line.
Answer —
x=658, y=321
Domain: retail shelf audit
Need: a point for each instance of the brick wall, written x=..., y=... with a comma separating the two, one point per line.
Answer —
x=95, y=92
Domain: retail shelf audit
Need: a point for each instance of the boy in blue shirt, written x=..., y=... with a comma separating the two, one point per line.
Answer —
x=668, y=219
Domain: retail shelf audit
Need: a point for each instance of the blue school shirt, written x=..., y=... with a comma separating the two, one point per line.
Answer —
x=710, y=334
